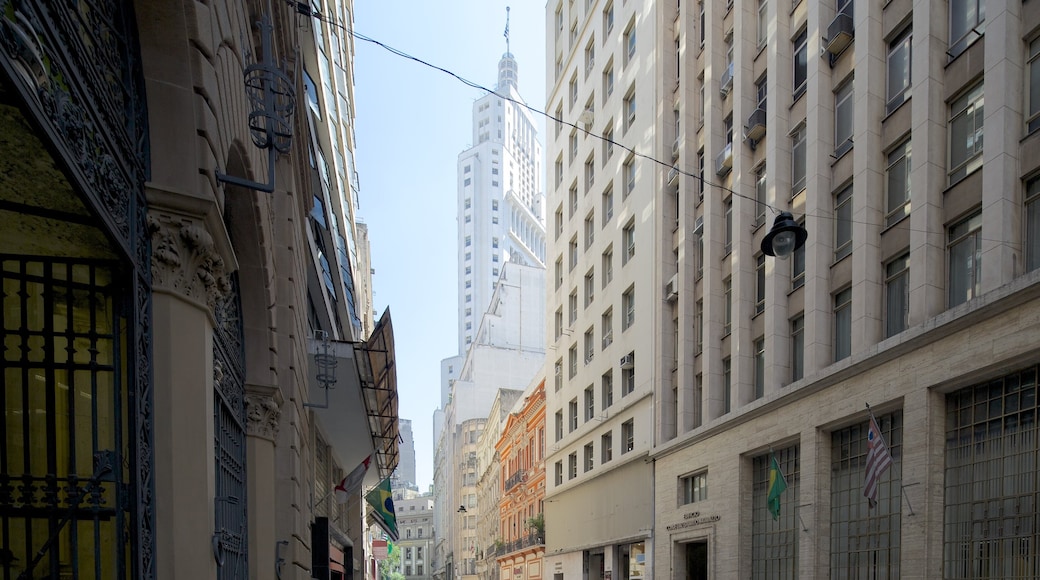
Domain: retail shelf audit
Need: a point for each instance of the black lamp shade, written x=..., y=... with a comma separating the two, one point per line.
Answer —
x=785, y=237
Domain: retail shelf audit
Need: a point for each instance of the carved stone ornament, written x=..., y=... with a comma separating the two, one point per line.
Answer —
x=262, y=415
x=185, y=260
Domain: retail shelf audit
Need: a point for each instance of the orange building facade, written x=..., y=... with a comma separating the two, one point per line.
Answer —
x=521, y=451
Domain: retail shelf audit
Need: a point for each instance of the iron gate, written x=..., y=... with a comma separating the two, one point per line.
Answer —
x=229, y=437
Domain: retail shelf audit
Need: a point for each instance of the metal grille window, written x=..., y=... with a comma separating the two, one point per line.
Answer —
x=865, y=542
x=774, y=543
x=66, y=455
x=229, y=437
x=992, y=493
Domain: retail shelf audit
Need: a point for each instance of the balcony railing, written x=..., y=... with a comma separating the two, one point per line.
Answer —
x=532, y=539
x=517, y=477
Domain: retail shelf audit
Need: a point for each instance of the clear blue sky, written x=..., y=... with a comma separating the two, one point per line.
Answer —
x=412, y=122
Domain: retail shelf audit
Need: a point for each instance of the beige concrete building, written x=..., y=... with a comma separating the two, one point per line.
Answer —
x=170, y=247
x=917, y=293
x=508, y=350
x=415, y=522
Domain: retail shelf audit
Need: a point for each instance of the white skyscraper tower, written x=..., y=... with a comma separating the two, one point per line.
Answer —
x=501, y=203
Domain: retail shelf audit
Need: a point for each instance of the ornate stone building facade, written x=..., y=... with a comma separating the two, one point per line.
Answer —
x=519, y=547
x=164, y=415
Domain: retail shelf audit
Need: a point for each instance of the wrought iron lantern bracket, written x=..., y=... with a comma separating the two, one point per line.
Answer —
x=272, y=100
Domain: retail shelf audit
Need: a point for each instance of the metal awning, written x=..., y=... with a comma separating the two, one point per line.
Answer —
x=360, y=418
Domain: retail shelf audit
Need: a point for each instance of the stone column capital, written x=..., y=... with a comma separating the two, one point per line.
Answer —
x=186, y=260
x=262, y=416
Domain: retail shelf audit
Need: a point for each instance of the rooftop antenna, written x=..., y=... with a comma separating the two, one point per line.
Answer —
x=506, y=33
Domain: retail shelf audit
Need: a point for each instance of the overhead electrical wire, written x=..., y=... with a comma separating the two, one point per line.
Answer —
x=305, y=9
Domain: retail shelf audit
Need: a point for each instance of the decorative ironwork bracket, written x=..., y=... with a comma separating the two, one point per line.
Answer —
x=254, y=185
x=272, y=99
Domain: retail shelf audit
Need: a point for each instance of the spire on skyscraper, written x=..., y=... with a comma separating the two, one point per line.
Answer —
x=506, y=33
x=506, y=66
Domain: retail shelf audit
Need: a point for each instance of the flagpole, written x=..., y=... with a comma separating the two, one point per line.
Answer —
x=873, y=423
x=323, y=498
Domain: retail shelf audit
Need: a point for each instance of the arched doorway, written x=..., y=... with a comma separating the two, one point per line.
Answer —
x=75, y=340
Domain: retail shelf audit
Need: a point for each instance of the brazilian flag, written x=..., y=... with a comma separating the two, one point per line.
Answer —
x=381, y=498
x=777, y=485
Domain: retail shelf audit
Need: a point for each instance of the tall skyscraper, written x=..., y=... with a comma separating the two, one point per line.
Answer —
x=501, y=215
x=406, y=465
x=692, y=372
x=501, y=301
